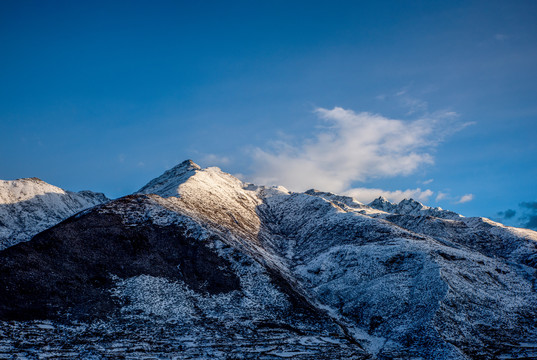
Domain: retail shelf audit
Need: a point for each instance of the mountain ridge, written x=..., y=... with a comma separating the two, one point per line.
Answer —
x=313, y=265
x=31, y=205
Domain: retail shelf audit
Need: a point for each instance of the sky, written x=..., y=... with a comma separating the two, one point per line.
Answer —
x=433, y=100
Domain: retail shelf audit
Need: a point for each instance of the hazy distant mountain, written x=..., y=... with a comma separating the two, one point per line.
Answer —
x=29, y=206
x=198, y=264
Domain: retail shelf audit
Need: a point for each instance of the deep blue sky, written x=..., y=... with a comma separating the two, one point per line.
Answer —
x=107, y=95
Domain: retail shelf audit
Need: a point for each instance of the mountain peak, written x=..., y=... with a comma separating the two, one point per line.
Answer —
x=183, y=167
x=167, y=184
x=340, y=200
x=31, y=179
x=381, y=199
x=381, y=203
x=31, y=205
x=412, y=203
x=189, y=163
x=14, y=191
x=411, y=207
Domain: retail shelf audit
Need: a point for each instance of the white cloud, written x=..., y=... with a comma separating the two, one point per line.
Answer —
x=366, y=195
x=466, y=198
x=501, y=37
x=426, y=182
x=353, y=147
x=441, y=196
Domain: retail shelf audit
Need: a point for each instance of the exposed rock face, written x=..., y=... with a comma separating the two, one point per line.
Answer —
x=29, y=206
x=78, y=260
x=299, y=275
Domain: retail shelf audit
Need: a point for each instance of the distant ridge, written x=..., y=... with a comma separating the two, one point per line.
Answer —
x=30, y=205
x=412, y=207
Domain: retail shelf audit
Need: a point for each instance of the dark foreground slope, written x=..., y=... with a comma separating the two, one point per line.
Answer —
x=201, y=265
x=133, y=271
x=71, y=267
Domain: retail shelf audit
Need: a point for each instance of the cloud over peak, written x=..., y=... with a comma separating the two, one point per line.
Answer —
x=353, y=147
x=366, y=195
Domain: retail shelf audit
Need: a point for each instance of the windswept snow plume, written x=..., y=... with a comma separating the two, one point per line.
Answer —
x=353, y=147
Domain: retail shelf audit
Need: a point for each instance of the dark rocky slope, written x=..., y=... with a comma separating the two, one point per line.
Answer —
x=70, y=268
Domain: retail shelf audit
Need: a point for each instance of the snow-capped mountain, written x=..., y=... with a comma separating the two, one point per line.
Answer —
x=29, y=206
x=412, y=207
x=198, y=264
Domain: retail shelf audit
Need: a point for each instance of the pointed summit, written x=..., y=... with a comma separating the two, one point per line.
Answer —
x=411, y=204
x=381, y=203
x=167, y=184
x=188, y=164
x=411, y=207
x=381, y=200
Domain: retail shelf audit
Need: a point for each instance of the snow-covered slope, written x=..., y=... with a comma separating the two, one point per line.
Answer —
x=268, y=273
x=386, y=276
x=412, y=207
x=168, y=183
x=29, y=206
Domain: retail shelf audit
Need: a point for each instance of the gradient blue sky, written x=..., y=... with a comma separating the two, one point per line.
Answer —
x=107, y=95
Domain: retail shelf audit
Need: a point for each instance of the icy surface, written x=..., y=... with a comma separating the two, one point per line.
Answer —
x=29, y=206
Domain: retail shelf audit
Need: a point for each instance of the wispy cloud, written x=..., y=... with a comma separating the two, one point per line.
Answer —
x=366, y=195
x=441, y=196
x=412, y=103
x=353, y=147
x=466, y=198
